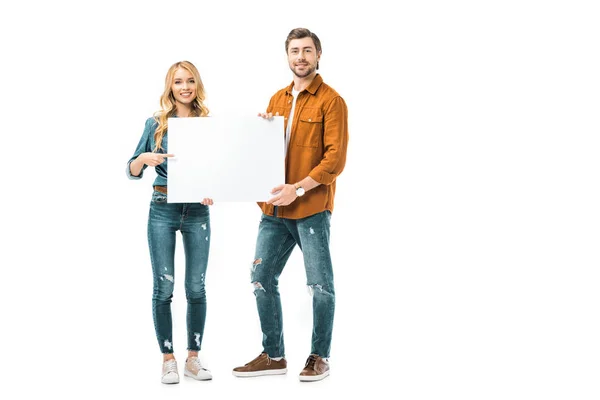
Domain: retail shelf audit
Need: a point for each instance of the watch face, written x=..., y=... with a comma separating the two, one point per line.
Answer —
x=300, y=191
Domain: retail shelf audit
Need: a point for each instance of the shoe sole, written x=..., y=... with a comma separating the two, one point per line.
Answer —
x=260, y=373
x=189, y=374
x=169, y=382
x=313, y=378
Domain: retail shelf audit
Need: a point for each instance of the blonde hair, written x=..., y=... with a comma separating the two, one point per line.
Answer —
x=167, y=101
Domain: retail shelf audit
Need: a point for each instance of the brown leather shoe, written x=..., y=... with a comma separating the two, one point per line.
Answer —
x=316, y=369
x=262, y=365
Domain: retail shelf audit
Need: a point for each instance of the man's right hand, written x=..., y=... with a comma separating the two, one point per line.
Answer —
x=266, y=115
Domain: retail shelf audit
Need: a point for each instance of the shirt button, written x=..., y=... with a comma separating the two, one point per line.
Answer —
x=309, y=120
x=289, y=101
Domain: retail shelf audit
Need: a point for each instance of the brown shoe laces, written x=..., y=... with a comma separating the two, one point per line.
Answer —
x=259, y=359
x=310, y=363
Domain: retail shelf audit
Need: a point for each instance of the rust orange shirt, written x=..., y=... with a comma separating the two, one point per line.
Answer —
x=318, y=143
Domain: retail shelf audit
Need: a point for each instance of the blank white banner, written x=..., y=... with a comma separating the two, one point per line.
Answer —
x=225, y=158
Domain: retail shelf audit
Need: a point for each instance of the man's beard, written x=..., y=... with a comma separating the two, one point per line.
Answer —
x=309, y=70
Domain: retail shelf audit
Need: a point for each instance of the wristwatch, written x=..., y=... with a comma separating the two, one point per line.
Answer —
x=299, y=190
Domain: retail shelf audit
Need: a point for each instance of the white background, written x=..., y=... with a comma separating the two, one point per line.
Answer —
x=466, y=229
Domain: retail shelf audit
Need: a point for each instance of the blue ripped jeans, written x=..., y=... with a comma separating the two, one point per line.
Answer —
x=277, y=237
x=193, y=220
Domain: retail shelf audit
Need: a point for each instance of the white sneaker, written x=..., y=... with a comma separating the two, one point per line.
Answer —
x=195, y=370
x=169, y=372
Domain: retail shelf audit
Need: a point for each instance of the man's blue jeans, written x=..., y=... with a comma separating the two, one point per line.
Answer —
x=193, y=220
x=277, y=238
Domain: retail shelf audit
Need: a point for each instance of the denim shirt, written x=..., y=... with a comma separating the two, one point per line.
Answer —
x=146, y=145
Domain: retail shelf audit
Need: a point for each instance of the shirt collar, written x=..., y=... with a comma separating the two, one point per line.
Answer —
x=312, y=88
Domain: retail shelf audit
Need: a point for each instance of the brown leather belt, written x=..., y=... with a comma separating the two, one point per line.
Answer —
x=162, y=189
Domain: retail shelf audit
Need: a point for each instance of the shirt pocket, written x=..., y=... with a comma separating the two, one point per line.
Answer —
x=310, y=128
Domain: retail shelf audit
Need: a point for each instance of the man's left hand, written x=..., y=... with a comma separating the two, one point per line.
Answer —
x=283, y=195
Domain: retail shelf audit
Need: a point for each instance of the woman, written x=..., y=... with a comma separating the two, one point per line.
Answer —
x=183, y=97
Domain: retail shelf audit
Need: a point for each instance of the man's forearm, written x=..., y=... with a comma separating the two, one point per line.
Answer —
x=307, y=183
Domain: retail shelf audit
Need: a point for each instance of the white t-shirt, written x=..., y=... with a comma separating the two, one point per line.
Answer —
x=288, y=130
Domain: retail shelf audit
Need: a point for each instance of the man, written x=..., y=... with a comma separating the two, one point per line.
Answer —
x=316, y=138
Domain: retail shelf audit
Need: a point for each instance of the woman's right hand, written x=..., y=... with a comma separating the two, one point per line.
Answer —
x=154, y=159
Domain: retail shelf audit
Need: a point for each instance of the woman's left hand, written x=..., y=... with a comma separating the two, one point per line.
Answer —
x=207, y=201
